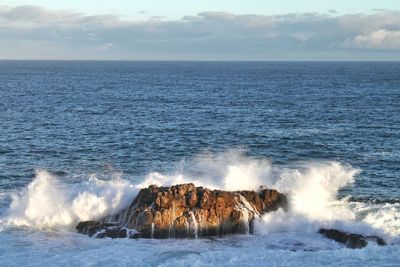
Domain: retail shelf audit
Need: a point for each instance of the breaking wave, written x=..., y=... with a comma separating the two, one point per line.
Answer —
x=312, y=189
x=48, y=203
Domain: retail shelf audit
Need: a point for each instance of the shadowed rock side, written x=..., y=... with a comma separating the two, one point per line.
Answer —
x=351, y=240
x=186, y=211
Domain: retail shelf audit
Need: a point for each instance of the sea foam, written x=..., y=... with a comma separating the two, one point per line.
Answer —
x=311, y=187
x=48, y=203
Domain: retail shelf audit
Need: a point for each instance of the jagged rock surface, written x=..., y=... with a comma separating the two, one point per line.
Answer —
x=186, y=211
x=351, y=240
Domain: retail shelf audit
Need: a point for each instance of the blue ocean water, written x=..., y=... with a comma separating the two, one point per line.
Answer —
x=75, y=121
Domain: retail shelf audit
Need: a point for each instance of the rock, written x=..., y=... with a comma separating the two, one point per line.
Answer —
x=89, y=227
x=186, y=211
x=351, y=240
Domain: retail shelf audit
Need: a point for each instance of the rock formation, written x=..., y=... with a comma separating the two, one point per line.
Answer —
x=189, y=211
x=186, y=211
x=351, y=240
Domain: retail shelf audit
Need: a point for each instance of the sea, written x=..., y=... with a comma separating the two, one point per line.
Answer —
x=78, y=139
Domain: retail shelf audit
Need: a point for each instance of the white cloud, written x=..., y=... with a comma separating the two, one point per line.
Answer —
x=35, y=32
x=380, y=40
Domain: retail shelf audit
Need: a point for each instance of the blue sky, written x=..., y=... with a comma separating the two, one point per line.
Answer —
x=200, y=30
x=177, y=8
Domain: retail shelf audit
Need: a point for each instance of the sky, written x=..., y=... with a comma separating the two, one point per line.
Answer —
x=175, y=9
x=200, y=30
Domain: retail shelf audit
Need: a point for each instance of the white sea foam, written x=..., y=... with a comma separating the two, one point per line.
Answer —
x=385, y=216
x=230, y=170
x=48, y=203
x=311, y=188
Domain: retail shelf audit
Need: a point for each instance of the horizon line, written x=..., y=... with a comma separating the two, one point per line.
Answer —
x=206, y=60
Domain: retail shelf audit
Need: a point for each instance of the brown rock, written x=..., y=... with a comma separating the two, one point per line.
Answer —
x=186, y=211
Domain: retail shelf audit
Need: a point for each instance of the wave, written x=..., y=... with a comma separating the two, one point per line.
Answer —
x=48, y=203
x=312, y=189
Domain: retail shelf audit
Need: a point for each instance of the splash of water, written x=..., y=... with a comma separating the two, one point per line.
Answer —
x=47, y=203
x=311, y=188
x=230, y=170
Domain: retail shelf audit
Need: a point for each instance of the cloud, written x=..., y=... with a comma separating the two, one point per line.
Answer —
x=35, y=32
x=379, y=40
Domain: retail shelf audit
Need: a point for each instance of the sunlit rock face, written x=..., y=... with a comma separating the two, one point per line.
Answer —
x=186, y=211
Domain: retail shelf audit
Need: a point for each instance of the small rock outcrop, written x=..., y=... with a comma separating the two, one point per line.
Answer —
x=351, y=240
x=186, y=211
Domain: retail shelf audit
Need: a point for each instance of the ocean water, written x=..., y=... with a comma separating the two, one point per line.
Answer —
x=78, y=139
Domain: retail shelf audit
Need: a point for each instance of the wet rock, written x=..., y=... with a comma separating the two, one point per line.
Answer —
x=351, y=240
x=89, y=227
x=186, y=211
